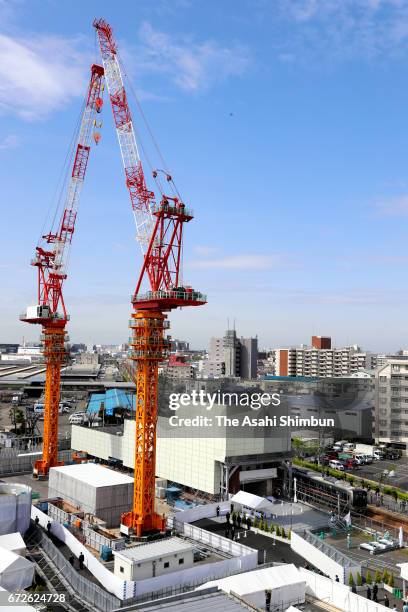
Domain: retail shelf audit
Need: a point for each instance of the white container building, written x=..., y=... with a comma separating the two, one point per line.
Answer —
x=153, y=559
x=94, y=489
x=15, y=508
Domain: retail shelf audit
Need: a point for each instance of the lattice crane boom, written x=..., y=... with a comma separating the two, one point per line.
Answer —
x=51, y=257
x=160, y=232
x=141, y=198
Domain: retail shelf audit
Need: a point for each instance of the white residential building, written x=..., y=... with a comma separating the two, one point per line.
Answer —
x=391, y=406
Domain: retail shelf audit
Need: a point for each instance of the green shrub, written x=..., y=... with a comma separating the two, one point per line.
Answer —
x=369, y=578
x=359, y=579
x=283, y=533
x=351, y=579
x=385, y=577
x=277, y=530
x=391, y=582
x=378, y=576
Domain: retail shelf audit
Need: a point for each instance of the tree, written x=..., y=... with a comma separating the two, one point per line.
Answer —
x=359, y=579
x=278, y=532
x=351, y=579
x=369, y=579
x=391, y=581
x=378, y=576
x=385, y=577
x=283, y=533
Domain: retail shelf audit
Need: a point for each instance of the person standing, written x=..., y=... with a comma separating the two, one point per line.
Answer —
x=268, y=597
x=81, y=560
x=72, y=560
x=386, y=602
x=337, y=578
x=375, y=592
x=49, y=527
x=218, y=511
x=368, y=593
x=405, y=607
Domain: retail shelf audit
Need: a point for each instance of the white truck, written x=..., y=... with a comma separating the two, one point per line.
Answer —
x=369, y=451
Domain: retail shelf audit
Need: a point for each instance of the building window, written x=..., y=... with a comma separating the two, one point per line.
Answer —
x=166, y=564
x=121, y=569
x=181, y=561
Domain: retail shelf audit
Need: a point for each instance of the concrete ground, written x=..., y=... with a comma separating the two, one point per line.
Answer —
x=38, y=486
x=374, y=471
x=268, y=549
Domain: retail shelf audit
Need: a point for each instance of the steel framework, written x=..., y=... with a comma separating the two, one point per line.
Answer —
x=51, y=262
x=159, y=230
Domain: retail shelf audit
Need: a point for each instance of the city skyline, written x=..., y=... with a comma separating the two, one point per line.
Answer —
x=306, y=111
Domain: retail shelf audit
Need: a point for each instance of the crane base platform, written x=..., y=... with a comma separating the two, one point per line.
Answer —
x=132, y=524
x=41, y=469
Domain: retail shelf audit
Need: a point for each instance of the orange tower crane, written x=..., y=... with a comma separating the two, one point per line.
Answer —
x=160, y=234
x=50, y=259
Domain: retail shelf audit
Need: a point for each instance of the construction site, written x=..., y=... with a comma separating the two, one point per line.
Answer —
x=102, y=508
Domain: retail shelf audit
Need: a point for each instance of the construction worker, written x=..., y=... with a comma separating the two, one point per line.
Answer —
x=81, y=560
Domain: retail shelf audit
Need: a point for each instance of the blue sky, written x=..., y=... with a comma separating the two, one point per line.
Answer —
x=285, y=125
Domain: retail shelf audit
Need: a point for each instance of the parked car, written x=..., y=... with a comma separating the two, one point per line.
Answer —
x=391, y=454
x=77, y=418
x=378, y=455
x=335, y=464
x=360, y=459
x=368, y=458
x=349, y=464
x=389, y=544
x=373, y=547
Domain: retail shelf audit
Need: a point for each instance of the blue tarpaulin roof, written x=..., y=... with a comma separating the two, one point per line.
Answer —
x=112, y=399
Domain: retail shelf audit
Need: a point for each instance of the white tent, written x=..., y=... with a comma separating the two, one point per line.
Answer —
x=285, y=582
x=15, y=571
x=254, y=502
x=13, y=542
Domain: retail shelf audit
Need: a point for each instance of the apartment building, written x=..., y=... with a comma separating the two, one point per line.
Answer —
x=322, y=360
x=391, y=406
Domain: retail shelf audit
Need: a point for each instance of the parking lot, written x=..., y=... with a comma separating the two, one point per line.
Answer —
x=375, y=471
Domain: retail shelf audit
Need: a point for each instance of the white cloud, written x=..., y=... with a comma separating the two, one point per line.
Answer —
x=392, y=207
x=240, y=262
x=192, y=66
x=39, y=74
x=10, y=142
x=339, y=29
x=204, y=249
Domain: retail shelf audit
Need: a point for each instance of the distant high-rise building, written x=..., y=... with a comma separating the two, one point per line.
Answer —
x=179, y=346
x=231, y=356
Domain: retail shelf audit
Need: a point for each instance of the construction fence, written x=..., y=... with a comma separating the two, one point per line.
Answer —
x=14, y=462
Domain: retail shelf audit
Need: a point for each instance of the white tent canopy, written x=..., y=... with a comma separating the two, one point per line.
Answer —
x=285, y=582
x=15, y=571
x=13, y=542
x=254, y=502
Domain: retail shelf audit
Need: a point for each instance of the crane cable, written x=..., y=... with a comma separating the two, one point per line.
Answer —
x=150, y=132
